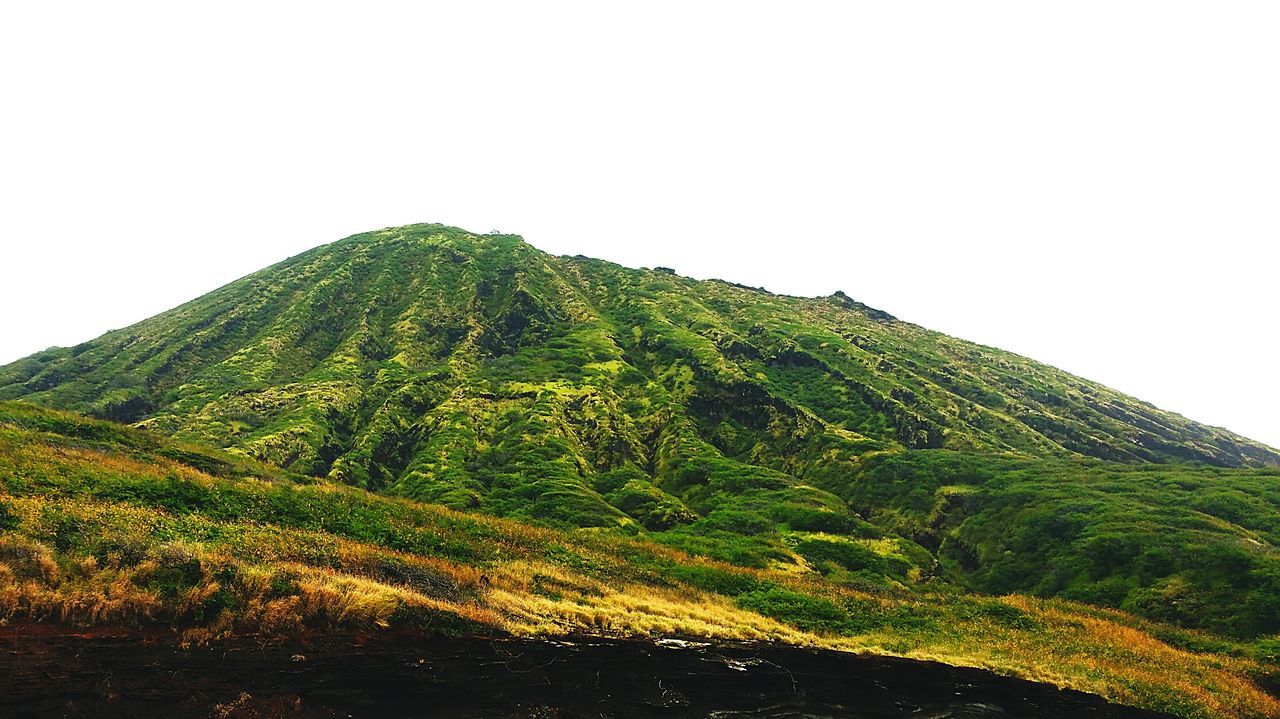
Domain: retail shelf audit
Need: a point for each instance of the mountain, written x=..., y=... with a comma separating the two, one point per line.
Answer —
x=372, y=358
x=477, y=372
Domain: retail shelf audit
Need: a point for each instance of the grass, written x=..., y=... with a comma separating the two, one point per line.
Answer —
x=1194, y=546
x=104, y=524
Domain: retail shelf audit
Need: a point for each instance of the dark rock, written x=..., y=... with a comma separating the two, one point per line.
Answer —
x=53, y=672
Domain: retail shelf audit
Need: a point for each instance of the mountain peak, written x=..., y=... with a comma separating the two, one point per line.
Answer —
x=431, y=234
x=367, y=358
x=875, y=314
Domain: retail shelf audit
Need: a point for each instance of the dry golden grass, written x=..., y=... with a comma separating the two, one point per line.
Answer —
x=537, y=598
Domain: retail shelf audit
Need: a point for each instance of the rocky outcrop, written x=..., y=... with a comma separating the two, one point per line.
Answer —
x=51, y=671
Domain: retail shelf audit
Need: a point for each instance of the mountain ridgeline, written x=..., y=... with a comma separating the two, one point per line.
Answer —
x=478, y=372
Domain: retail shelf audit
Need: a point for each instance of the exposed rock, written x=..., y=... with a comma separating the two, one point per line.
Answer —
x=50, y=671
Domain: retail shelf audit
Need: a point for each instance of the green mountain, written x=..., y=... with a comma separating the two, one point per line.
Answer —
x=352, y=360
x=816, y=434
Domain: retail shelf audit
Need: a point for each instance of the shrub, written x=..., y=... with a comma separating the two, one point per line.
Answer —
x=8, y=520
x=801, y=610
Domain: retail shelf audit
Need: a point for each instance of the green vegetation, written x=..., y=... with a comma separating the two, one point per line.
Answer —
x=105, y=524
x=1194, y=546
x=745, y=464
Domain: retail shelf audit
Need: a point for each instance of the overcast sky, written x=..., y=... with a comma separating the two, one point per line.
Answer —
x=1093, y=184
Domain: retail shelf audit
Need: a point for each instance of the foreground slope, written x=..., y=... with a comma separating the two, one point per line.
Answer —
x=103, y=525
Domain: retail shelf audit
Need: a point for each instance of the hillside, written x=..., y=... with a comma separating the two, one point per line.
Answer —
x=370, y=358
x=437, y=431
x=318, y=362
x=109, y=526
x=477, y=372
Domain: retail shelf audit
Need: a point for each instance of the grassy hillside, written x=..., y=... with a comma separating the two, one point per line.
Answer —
x=1191, y=545
x=670, y=456
x=434, y=363
x=104, y=524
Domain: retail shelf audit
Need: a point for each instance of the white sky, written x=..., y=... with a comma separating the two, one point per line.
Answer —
x=1093, y=184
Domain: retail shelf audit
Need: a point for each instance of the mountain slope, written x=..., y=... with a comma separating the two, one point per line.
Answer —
x=363, y=359
x=477, y=372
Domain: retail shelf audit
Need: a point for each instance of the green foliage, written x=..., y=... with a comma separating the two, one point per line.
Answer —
x=726, y=546
x=714, y=579
x=851, y=557
x=1191, y=546
x=803, y=610
x=8, y=520
x=653, y=508
x=176, y=570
